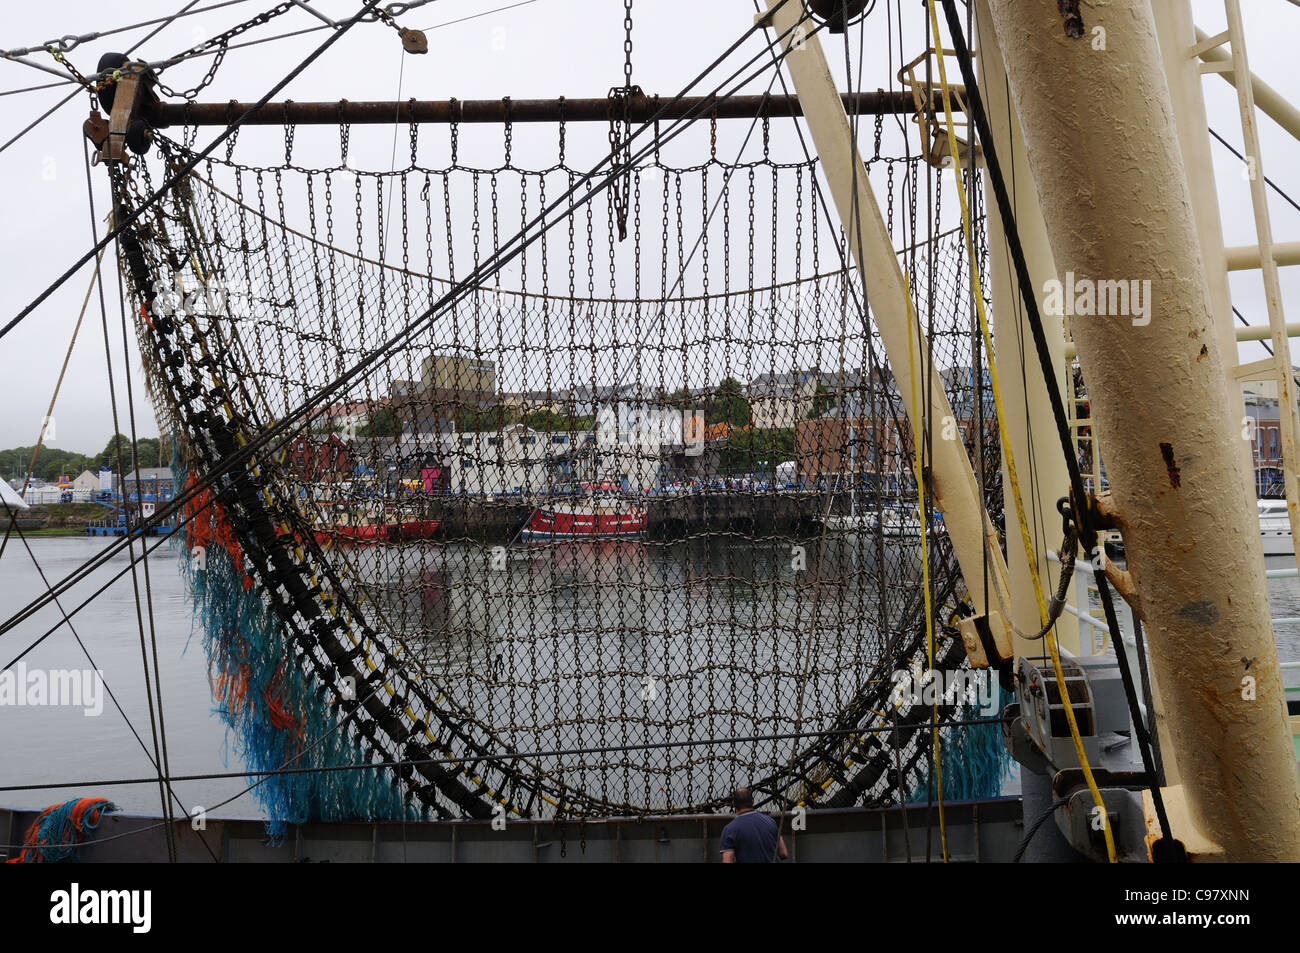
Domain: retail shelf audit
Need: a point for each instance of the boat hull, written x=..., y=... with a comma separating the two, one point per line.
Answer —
x=583, y=524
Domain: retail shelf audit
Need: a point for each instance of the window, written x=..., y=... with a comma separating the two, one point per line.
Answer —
x=559, y=438
x=494, y=441
x=467, y=464
x=466, y=441
x=528, y=441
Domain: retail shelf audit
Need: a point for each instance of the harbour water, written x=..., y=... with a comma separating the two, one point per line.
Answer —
x=50, y=744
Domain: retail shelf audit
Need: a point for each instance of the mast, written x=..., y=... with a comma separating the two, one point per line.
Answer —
x=1096, y=111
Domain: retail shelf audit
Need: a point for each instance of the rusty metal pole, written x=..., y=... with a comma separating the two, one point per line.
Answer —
x=641, y=108
x=1093, y=102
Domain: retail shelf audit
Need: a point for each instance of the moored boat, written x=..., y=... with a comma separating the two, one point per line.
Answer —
x=599, y=514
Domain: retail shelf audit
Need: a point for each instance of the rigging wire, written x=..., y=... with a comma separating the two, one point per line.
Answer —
x=159, y=760
x=66, y=44
x=107, y=688
x=166, y=187
x=167, y=21
x=524, y=238
x=1276, y=188
x=494, y=756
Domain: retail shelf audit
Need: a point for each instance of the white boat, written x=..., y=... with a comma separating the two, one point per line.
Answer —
x=1275, y=528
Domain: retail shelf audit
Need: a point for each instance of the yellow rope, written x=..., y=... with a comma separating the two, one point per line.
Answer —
x=1026, y=538
x=925, y=562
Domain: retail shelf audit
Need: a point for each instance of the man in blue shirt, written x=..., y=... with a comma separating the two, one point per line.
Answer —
x=751, y=838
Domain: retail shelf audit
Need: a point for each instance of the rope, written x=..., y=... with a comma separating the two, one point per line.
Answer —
x=919, y=417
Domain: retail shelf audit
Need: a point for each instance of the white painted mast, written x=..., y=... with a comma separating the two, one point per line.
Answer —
x=1104, y=154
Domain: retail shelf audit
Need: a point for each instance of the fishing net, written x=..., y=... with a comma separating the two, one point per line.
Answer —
x=626, y=524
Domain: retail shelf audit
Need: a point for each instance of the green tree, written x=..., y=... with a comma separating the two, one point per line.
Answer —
x=384, y=422
x=548, y=421
x=756, y=451
x=823, y=400
x=148, y=453
x=727, y=404
x=497, y=417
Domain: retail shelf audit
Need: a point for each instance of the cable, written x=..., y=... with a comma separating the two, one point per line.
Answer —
x=66, y=44
x=1276, y=188
x=1043, y=818
x=525, y=237
x=163, y=189
x=166, y=21
x=49, y=412
x=495, y=756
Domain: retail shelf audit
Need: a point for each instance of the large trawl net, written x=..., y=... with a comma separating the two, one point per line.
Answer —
x=626, y=524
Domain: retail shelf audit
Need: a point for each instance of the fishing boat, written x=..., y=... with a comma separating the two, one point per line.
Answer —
x=363, y=522
x=600, y=512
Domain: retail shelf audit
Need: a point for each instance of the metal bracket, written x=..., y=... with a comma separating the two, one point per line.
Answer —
x=132, y=96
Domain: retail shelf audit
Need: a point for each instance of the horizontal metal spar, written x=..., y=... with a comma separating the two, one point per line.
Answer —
x=640, y=109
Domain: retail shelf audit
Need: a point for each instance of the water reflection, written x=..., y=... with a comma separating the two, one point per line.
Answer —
x=575, y=644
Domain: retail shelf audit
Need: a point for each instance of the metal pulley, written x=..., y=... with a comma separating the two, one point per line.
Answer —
x=413, y=41
x=837, y=14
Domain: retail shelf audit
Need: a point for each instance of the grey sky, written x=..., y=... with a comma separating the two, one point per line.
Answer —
x=541, y=49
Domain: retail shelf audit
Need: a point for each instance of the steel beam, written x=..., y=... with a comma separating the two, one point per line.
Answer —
x=640, y=109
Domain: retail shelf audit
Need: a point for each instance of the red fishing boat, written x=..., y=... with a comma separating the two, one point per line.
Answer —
x=346, y=524
x=600, y=514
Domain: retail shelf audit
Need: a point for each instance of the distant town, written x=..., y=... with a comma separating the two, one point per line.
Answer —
x=454, y=432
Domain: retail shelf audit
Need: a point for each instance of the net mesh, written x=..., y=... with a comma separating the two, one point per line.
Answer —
x=627, y=525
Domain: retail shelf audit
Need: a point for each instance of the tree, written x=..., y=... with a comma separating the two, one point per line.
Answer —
x=497, y=417
x=384, y=422
x=822, y=401
x=147, y=454
x=753, y=451
x=728, y=404
x=548, y=421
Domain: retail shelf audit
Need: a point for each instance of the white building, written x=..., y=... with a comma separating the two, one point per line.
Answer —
x=633, y=438
x=515, y=459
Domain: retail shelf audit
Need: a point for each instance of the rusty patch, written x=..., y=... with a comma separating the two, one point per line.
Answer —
x=1069, y=10
x=1167, y=452
x=1202, y=612
x=1204, y=351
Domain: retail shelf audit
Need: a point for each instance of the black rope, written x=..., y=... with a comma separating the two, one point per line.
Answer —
x=1033, y=829
x=500, y=756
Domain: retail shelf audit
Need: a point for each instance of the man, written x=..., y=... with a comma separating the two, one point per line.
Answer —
x=751, y=838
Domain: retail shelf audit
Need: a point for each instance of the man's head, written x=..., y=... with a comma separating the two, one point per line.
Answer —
x=743, y=799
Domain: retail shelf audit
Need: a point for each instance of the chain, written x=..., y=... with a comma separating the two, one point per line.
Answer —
x=221, y=43
x=289, y=130
x=627, y=43
x=563, y=130
x=509, y=129
x=620, y=128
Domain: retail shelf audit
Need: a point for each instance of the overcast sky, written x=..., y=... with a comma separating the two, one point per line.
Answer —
x=540, y=49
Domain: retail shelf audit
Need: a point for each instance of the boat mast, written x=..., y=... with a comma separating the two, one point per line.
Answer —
x=1096, y=110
